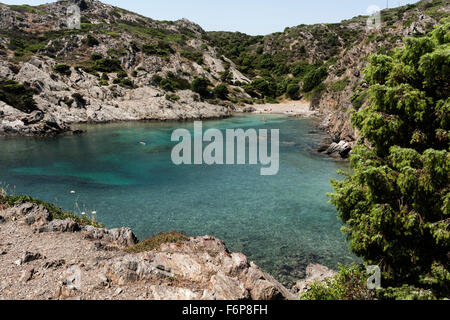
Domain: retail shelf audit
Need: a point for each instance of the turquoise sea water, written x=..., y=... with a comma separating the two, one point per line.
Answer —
x=281, y=222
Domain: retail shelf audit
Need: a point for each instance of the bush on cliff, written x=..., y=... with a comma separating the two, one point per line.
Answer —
x=17, y=95
x=221, y=91
x=155, y=242
x=107, y=65
x=200, y=86
x=396, y=204
x=350, y=283
x=162, y=49
x=293, y=91
x=314, y=77
x=63, y=69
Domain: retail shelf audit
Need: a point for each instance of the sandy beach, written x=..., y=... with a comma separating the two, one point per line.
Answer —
x=293, y=108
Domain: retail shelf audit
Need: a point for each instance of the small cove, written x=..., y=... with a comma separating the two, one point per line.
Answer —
x=281, y=222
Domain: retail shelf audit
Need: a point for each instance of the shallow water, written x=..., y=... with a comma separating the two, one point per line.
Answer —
x=281, y=222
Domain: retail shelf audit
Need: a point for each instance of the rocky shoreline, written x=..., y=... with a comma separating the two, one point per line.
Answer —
x=45, y=258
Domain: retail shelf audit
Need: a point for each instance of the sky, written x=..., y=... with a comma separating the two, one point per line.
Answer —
x=255, y=17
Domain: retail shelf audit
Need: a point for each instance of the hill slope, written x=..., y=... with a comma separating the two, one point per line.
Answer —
x=326, y=61
x=123, y=66
x=118, y=66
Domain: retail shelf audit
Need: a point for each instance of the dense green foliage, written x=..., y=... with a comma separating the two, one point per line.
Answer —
x=63, y=69
x=193, y=55
x=293, y=90
x=91, y=41
x=221, y=91
x=17, y=95
x=162, y=48
x=314, y=77
x=200, y=86
x=171, y=83
x=396, y=204
x=350, y=283
x=107, y=65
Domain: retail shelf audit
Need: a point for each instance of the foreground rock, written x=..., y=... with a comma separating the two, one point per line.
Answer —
x=60, y=259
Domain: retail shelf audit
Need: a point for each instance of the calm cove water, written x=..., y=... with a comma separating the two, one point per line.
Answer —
x=281, y=222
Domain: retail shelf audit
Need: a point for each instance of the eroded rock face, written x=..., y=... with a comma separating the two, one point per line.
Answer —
x=48, y=255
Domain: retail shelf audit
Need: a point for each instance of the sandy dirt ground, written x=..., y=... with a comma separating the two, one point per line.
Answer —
x=294, y=108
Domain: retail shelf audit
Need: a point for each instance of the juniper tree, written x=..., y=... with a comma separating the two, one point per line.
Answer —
x=396, y=203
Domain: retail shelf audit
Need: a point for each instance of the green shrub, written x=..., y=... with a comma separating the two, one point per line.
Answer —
x=313, y=78
x=339, y=85
x=293, y=91
x=155, y=242
x=162, y=48
x=406, y=292
x=172, y=82
x=63, y=69
x=17, y=95
x=350, y=283
x=196, y=56
x=265, y=86
x=358, y=99
x=96, y=56
x=396, y=203
x=107, y=65
x=156, y=79
x=200, y=86
x=172, y=97
x=167, y=85
x=23, y=8
x=301, y=68
x=127, y=83
x=221, y=91
x=90, y=41
x=116, y=53
x=226, y=76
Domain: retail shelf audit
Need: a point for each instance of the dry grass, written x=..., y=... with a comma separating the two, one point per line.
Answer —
x=155, y=242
